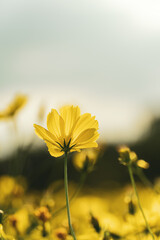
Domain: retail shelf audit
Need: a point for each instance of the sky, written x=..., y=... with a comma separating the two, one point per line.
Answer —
x=103, y=55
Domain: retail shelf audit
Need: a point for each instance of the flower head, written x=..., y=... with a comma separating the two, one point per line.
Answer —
x=68, y=131
x=129, y=157
x=126, y=156
x=18, y=102
x=42, y=213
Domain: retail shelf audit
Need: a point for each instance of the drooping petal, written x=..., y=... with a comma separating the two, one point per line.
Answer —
x=45, y=134
x=70, y=115
x=53, y=150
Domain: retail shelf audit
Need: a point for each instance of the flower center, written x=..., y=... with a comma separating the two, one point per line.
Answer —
x=66, y=147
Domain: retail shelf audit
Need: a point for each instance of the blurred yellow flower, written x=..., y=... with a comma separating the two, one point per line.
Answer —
x=86, y=159
x=12, y=191
x=126, y=156
x=61, y=233
x=17, y=223
x=3, y=236
x=48, y=202
x=18, y=102
x=142, y=164
x=42, y=213
x=129, y=157
x=68, y=131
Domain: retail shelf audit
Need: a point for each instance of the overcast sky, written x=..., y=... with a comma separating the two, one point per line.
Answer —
x=104, y=54
x=107, y=46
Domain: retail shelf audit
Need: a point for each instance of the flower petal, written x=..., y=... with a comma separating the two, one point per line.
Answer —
x=70, y=115
x=84, y=137
x=83, y=146
x=55, y=124
x=85, y=122
x=45, y=134
x=95, y=137
x=53, y=150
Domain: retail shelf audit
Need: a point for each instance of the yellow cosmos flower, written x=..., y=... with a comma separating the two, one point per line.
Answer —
x=18, y=102
x=68, y=131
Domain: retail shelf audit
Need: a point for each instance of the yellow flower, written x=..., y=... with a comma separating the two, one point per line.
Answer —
x=42, y=213
x=68, y=131
x=18, y=102
x=61, y=233
x=129, y=157
x=126, y=155
x=18, y=222
x=3, y=236
x=86, y=159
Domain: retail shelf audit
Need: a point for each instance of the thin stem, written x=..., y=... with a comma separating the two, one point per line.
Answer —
x=67, y=199
x=139, y=204
x=82, y=180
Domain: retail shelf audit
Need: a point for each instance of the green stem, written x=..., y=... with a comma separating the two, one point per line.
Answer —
x=67, y=199
x=139, y=204
x=82, y=180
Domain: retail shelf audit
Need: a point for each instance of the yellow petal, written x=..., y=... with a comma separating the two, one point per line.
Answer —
x=83, y=146
x=142, y=164
x=85, y=122
x=45, y=134
x=95, y=137
x=53, y=150
x=89, y=143
x=75, y=149
x=70, y=115
x=18, y=102
x=84, y=136
x=55, y=124
x=3, y=115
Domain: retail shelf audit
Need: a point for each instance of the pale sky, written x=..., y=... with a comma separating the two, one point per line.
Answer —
x=101, y=54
